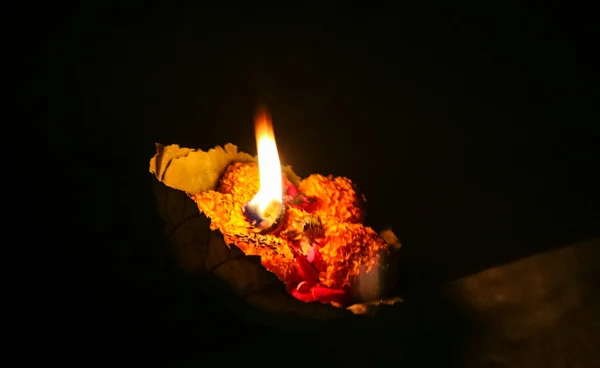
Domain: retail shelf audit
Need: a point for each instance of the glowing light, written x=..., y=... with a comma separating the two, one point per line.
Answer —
x=269, y=196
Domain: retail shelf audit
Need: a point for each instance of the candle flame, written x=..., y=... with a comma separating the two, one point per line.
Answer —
x=269, y=167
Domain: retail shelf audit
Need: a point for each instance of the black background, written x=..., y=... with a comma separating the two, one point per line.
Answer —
x=470, y=130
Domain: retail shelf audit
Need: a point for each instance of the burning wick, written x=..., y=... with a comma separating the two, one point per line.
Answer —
x=266, y=209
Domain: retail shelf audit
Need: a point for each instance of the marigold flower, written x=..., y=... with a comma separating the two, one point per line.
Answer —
x=337, y=201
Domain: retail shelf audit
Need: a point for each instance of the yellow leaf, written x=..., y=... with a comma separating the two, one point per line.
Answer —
x=195, y=171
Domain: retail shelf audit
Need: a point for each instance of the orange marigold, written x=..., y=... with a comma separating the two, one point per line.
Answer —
x=337, y=201
x=241, y=180
x=347, y=248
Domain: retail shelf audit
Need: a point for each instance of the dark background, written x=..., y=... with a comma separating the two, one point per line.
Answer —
x=469, y=129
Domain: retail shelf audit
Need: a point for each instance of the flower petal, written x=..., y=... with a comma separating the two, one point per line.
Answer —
x=319, y=293
x=305, y=270
x=310, y=255
x=291, y=189
x=303, y=287
x=327, y=295
x=306, y=297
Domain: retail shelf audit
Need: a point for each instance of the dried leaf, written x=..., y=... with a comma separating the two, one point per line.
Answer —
x=391, y=239
x=194, y=171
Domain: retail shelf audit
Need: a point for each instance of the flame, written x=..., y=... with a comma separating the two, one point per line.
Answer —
x=271, y=186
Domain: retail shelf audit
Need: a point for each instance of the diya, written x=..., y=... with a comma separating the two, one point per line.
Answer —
x=308, y=232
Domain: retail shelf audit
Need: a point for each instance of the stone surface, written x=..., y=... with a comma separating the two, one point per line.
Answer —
x=541, y=311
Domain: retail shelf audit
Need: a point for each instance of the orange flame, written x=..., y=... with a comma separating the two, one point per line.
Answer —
x=271, y=186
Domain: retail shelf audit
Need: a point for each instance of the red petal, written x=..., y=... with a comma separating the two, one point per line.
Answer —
x=306, y=297
x=303, y=287
x=305, y=270
x=291, y=189
x=327, y=295
x=310, y=204
x=317, y=262
x=319, y=293
x=310, y=256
